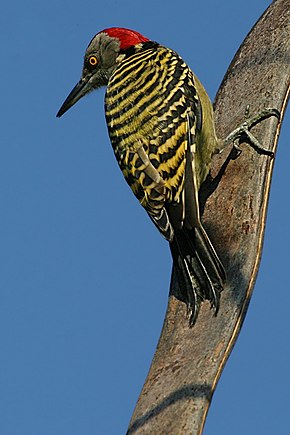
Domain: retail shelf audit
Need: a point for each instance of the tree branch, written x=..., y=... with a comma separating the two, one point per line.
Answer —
x=188, y=362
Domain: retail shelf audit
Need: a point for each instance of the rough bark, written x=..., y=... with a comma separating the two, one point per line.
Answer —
x=188, y=362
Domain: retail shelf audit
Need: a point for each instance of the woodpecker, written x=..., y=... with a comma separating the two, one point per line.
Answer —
x=160, y=123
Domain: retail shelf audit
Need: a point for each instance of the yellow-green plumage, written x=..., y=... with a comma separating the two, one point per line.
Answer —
x=151, y=102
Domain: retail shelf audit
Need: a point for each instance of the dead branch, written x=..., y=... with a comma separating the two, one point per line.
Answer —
x=188, y=362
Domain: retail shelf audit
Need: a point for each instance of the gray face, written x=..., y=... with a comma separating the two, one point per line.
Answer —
x=103, y=50
x=99, y=65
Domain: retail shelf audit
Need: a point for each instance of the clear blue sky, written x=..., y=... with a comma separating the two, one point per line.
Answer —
x=82, y=298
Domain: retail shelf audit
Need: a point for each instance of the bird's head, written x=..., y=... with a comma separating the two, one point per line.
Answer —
x=101, y=60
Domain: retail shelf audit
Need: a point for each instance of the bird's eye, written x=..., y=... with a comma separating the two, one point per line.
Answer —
x=93, y=60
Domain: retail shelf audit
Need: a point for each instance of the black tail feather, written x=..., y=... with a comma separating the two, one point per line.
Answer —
x=199, y=271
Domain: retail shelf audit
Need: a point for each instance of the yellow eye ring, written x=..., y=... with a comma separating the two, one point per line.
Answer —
x=93, y=60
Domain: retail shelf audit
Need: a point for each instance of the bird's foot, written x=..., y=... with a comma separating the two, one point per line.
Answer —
x=243, y=132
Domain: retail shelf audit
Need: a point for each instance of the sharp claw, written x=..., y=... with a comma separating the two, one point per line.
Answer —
x=236, y=151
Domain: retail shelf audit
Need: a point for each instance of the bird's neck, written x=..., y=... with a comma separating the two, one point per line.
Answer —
x=142, y=46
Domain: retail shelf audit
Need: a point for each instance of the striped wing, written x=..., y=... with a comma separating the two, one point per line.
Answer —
x=152, y=111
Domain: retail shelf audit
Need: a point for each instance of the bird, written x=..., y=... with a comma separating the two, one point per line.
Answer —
x=161, y=126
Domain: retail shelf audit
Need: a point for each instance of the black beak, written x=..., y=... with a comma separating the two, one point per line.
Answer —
x=80, y=89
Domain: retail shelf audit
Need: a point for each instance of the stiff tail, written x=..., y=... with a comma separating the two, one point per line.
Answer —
x=199, y=271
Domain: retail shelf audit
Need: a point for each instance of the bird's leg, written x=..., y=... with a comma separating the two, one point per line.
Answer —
x=244, y=131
